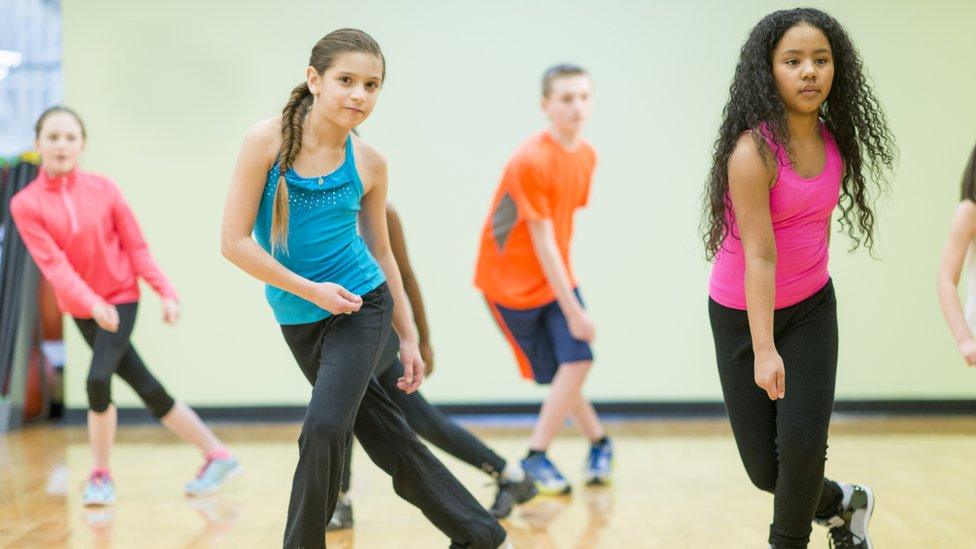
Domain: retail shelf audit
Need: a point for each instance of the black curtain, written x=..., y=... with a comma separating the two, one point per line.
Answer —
x=15, y=265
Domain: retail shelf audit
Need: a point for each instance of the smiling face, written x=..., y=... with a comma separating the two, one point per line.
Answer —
x=60, y=141
x=803, y=69
x=347, y=91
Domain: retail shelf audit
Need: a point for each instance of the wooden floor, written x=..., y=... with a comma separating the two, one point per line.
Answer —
x=678, y=484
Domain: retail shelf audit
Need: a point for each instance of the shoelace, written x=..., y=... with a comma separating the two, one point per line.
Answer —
x=841, y=537
x=599, y=460
x=203, y=469
x=98, y=478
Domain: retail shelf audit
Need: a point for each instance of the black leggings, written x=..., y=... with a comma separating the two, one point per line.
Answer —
x=783, y=443
x=338, y=355
x=427, y=421
x=113, y=354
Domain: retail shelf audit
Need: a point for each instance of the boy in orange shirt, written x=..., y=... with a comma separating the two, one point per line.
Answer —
x=524, y=271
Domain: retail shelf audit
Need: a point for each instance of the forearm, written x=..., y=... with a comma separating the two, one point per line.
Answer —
x=403, y=321
x=760, y=280
x=556, y=274
x=255, y=261
x=952, y=310
x=412, y=288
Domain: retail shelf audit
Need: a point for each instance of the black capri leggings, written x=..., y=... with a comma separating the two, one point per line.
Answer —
x=783, y=443
x=112, y=353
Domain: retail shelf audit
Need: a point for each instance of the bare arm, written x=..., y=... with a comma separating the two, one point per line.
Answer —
x=240, y=209
x=372, y=221
x=750, y=177
x=550, y=259
x=961, y=234
x=398, y=244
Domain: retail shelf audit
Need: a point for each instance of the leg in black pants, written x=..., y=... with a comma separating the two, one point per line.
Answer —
x=427, y=421
x=783, y=443
x=338, y=355
x=112, y=353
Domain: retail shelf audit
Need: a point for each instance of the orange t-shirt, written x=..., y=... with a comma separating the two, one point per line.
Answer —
x=541, y=181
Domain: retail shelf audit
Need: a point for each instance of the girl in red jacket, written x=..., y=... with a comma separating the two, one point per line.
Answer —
x=87, y=244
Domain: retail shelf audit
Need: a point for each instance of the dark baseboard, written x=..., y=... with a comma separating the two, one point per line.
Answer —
x=636, y=409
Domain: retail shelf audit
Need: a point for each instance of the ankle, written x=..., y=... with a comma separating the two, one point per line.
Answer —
x=220, y=452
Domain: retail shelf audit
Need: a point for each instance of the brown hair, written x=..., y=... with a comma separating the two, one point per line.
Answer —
x=324, y=53
x=559, y=71
x=968, y=190
x=54, y=110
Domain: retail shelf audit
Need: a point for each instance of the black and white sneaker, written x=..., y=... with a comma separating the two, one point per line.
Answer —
x=342, y=518
x=510, y=494
x=849, y=528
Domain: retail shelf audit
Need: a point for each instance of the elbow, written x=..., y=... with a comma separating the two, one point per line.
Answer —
x=228, y=249
x=761, y=259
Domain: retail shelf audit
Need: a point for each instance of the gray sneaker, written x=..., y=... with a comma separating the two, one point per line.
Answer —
x=98, y=491
x=849, y=528
x=342, y=518
x=212, y=476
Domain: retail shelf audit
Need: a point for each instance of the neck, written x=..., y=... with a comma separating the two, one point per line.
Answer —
x=319, y=131
x=802, y=126
x=568, y=139
x=55, y=174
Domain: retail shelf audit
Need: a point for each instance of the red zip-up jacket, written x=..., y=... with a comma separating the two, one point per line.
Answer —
x=85, y=240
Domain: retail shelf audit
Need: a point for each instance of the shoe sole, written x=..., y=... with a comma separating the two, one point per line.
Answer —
x=529, y=496
x=331, y=527
x=548, y=492
x=231, y=475
x=98, y=503
x=868, y=512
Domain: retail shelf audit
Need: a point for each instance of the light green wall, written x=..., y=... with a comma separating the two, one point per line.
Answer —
x=168, y=89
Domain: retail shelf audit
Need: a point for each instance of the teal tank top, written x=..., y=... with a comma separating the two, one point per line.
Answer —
x=324, y=244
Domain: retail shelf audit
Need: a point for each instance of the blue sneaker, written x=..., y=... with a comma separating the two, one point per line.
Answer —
x=599, y=464
x=548, y=479
x=98, y=491
x=214, y=474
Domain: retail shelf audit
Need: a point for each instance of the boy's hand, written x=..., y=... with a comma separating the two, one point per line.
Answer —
x=581, y=326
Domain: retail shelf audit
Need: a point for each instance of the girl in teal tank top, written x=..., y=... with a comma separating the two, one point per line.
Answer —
x=324, y=243
x=325, y=285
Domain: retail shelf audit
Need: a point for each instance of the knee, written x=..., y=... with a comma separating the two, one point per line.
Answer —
x=158, y=401
x=763, y=478
x=324, y=430
x=99, y=391
x=801, y=450
x=154, y=396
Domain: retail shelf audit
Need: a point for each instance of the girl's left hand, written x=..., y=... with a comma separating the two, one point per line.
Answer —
x=413, y=367
x=171, y=311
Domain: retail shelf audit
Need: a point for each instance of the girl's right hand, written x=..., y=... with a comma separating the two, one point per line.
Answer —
x=771, y=375
x=335, y=299
x=106, y=316
x=968, y=350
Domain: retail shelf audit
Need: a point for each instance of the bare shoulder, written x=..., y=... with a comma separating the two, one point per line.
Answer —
x=750, y=162
x=264, y=137
x=370, y=162
x=966, y=213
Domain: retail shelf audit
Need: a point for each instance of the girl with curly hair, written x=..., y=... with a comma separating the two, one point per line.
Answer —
x=799, y=131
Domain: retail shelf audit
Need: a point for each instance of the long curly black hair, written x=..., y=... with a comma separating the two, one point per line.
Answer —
x=968, y=189
x=851, y=112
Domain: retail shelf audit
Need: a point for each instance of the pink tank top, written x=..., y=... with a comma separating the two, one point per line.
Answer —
x=800, y=209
